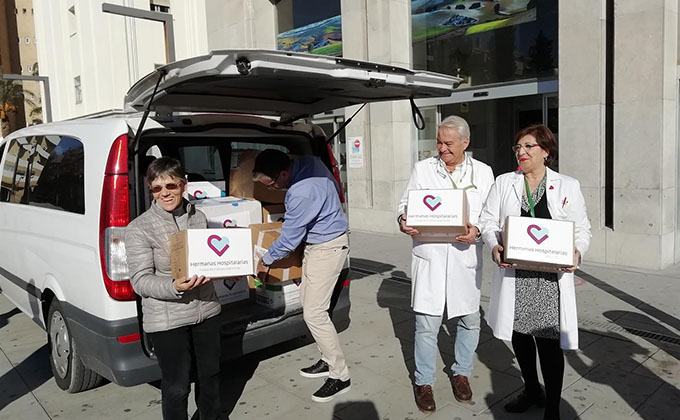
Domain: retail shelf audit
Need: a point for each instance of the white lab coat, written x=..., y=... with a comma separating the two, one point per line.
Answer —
x=447, y=274
x=565, y=202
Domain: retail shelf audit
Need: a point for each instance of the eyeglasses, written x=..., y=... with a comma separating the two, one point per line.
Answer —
x=170, y=187
x=527, y=147
x=272, y=181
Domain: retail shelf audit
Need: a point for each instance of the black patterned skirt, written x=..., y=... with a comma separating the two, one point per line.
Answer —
x=537, y=304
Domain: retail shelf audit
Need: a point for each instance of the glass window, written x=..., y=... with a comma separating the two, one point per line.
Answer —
x=486, y=42
x=78, y=89
x=493, y=124
x=202, y=163
x=310, y=26
x=427, y=137
x=45, y=171
x=159, y=8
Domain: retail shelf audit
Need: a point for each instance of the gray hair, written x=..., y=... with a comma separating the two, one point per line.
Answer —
x=454, y=122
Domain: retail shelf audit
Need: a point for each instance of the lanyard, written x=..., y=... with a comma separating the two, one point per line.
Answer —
x=472, y=176
x=530, y=198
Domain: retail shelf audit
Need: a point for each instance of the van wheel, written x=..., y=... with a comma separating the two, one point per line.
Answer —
x=68, y=370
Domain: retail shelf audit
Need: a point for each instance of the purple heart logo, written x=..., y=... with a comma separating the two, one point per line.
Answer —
x=540, y=235
x=229, y=223
x=229, y=284
x=218, y=244
x=199, y=194
x=432, y=202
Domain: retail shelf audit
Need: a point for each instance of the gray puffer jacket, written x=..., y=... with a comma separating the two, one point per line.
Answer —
x=147, y=244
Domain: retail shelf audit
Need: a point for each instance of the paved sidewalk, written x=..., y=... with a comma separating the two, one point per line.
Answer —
x=628, y=365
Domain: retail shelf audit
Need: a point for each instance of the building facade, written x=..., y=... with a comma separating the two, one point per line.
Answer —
x=602, y=74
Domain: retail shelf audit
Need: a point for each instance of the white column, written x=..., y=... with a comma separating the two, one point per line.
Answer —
x=582, y=54
x=379, y=31
x=241, y=24
x=645, y=159
x=645, y=134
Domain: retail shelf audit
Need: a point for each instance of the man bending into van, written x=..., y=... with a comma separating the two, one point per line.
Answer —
x=313, y=215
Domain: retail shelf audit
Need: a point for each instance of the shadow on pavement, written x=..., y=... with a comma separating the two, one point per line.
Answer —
x=499, y=359
x=25, y=377
x=364, y=410
x=396, y=297
x=632, y=300
x=616, y=357
x=4, y=318
x=361, y=268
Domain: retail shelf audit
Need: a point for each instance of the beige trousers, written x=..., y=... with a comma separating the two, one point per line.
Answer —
x=321, y=267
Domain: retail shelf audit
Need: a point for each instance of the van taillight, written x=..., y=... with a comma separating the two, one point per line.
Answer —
x=115, y=215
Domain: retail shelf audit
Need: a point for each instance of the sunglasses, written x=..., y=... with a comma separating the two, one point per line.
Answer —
x=170, y=187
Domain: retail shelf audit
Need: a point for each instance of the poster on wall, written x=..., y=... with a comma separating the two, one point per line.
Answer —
x=323, y=37
x=356, y=152
x=434, y=18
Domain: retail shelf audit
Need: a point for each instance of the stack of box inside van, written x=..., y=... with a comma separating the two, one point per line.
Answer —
x=242, y=225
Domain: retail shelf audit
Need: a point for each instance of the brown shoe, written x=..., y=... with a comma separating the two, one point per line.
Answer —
x=425, y=398
x=461, y=388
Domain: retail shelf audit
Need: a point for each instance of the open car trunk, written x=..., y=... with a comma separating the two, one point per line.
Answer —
x=209, y=147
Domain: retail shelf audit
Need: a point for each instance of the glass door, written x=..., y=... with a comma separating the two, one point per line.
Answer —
x=494, y=122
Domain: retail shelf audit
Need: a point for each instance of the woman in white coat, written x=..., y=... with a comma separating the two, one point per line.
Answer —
x=447, y=275
x=535, y=310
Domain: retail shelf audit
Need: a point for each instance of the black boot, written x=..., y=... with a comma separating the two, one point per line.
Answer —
x=524, y=401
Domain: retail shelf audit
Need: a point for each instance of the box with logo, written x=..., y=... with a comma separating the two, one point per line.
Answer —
x=273, y=213
x=232, y=289
x=285, y=294
x=439, y=215
x=198, y=190
x=287, y=268
x=213, y=253
x=228, y=212
x=538, y=244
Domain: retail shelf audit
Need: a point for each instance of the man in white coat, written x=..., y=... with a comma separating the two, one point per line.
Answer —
x=447, y=276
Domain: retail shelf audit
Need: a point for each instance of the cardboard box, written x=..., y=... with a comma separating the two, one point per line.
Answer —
x=232, y=289
x=288, y=268
x=273, y=213
x=284, y=294
x=214, y=253
x=198, y=190
x=439, y=215
x=538, y=244
x=241, y=182
x=269, y=195
x=241, y=176
x=229, y=212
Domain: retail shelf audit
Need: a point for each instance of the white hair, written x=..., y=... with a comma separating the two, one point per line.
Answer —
x=454, y=122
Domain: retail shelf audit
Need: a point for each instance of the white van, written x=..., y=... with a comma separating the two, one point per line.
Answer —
x=69, y=188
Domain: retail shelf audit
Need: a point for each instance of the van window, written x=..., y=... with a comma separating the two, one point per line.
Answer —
x=202, y=163
x=45, y=171
x=241, y=145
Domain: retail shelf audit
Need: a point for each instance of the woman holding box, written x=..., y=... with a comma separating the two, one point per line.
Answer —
x=535, y=310
x=180, y=315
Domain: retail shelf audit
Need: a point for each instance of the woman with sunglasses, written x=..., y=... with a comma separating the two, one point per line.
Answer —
x=179, y=315
x=535, y=310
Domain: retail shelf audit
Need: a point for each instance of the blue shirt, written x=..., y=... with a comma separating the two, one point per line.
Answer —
x=313, y=210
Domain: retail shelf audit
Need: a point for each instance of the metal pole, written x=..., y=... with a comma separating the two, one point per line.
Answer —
x=165, y=18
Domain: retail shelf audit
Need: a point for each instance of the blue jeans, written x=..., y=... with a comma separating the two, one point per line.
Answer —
x=427, y=329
